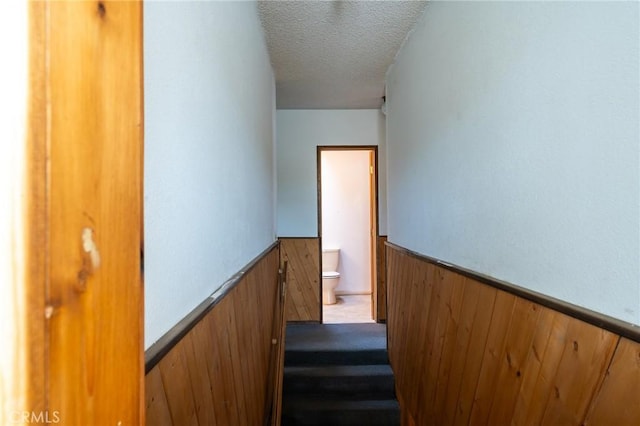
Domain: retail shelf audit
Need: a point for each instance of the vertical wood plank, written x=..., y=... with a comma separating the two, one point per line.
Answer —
x=416, y=284
x=95, y=137
x=177, y=387
x=410, y=283
x=473, y=362
x=206, y=348
x=229, y=335
x=246, y=322
x=221, y=378
x=586, y=355
x=618, y=400
x=421, y=373
x=156, y=405
x=447, y=300
x=458, y=284
x=485, y=390
x=549, y=360
x=381, y=275
x=521, y=331
x=278, y=364
x=537, y=353
x=392, y=308
x=199, y=378
x=463, y=337
x=406, y=419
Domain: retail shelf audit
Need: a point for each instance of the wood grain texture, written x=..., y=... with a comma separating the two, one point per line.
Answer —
x=465, y=353
x=94, y=89
x=31, y=329
x=199, y=377
x=303, y=278
x=618, y=401
x=156, y=405
x=221, y=371
x=380, y=300
x=278, y=366
x=177, y=386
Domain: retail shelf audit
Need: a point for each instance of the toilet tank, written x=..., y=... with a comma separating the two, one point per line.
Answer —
x=330, y=259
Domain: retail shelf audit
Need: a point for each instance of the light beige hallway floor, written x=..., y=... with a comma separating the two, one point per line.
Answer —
x=348, y=309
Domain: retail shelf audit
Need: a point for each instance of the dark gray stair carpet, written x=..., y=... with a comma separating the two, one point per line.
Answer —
x=327, y=412
x=351, y=381
x=338, y=374
x=336, y=344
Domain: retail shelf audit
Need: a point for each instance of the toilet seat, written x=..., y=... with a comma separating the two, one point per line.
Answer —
x=331, y=274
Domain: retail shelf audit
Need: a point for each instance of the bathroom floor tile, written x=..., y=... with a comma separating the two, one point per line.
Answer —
x=348, y=309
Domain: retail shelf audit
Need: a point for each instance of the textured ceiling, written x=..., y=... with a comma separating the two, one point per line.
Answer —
x=334, y=54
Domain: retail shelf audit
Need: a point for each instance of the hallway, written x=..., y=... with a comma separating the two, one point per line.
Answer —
x=162, y=227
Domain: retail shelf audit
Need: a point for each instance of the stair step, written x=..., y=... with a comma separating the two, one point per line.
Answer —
x=334, y=412
x=338, y=374
x=336, y=344
x=337, y=357
x=332, y=337
x=353, y=381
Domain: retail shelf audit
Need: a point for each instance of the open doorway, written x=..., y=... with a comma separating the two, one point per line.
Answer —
x=347, y=216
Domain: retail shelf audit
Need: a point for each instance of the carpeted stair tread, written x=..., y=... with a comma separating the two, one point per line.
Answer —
x=334, y=412
x=336, y=337
x=340, y=370
x=338, y=374
x=336, y=344
x=336, y=357
x=351, y=381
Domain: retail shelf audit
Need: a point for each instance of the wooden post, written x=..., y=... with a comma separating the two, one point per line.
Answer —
x=77, y=283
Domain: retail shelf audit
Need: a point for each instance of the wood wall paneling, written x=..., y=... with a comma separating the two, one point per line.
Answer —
x=476, y=321
x=618, y=400
x=177, y=387
x=466, y=353
x=491, y=357
x=219, y=372
x=380, y=301
x=198, y=369
x=221, y=355
x=303, y=278
x=156, y=404
x=277, y=378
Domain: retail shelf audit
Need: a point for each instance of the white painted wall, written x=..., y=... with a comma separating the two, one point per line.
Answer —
x=209, y=188
x=346, y=221
x=513, y=146
x=299, y=133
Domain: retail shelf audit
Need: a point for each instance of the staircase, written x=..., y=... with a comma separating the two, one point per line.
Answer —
x=338, y=374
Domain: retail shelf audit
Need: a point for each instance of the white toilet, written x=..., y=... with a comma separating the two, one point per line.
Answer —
x=330, y=275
